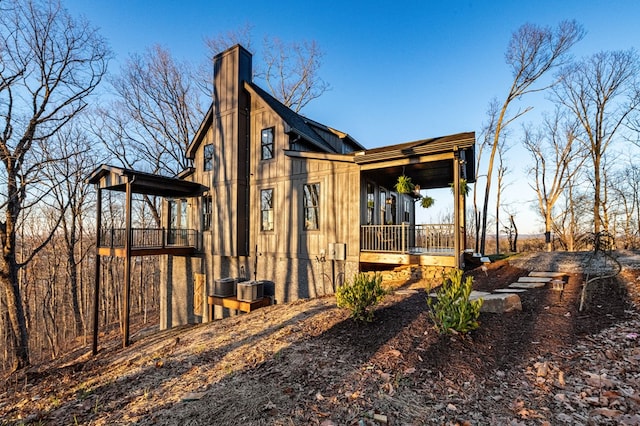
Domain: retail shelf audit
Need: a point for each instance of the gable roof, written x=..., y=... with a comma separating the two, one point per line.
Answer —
x=449, y=143
x=304, y=127
x=207, y=121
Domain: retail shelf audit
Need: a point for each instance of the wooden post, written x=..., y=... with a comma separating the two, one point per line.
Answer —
x=127, y=265
x=456, y=208
x=96, y=290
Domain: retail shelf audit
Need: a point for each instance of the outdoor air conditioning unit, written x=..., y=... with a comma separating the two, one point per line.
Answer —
x=250, y=291
x=224, y=287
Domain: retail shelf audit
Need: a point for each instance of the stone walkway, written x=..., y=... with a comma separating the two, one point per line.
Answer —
x=507, y=299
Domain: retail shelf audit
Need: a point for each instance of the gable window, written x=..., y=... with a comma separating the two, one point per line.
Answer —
x=311, y=206
x=266, y=209
x=206, y=213
x=208, y=157
x=266, y=143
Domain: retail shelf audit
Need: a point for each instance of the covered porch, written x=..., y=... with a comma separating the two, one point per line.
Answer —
x=388, y=230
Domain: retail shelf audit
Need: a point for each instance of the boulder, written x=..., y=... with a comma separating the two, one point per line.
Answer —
x=498, y=303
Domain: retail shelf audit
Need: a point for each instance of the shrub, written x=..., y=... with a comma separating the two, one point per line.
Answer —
x=450, y=309
x=365, y=292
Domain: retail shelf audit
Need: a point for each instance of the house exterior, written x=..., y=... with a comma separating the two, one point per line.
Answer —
x=276, y=196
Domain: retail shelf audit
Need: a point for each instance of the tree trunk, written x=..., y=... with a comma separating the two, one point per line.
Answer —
x=9, y=274
x=515, y=234
x=547, y=230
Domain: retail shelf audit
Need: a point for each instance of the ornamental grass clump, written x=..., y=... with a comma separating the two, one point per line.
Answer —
x=361, y=296
x=450, y=309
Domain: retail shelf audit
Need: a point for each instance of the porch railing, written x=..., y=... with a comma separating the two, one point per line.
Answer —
x=150, y=238
x=405, y=238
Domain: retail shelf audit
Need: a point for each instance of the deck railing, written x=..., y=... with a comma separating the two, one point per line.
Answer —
x=405, y=238
x=150, y=238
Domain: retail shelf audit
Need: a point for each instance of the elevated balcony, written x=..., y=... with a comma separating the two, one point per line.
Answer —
x=427, y=244
x=148, y=241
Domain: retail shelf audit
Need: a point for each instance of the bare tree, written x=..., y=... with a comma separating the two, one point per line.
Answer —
x=553, y=151
x=290, y=70
x=487, y=137
x=70, y=195
x=601, y=92
x=531, y=53
x=503, y=170
x=50, y=62
x=625, y=184
x=156, y=113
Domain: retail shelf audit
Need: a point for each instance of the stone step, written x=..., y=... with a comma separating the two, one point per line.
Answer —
x=478, y=294
x=527, y=285
x=510, y=290
x=534, y=279
x=472, y=296
x=501, y=303
x=547, y=274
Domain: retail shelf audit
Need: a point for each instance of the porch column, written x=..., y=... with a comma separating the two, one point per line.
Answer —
x=456, y=208
x=127, y=265
x=96, y=289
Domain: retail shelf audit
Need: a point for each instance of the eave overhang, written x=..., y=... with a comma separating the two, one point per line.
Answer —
x=116, y=179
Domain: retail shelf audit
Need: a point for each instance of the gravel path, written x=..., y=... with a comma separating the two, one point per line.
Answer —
x=574, y=262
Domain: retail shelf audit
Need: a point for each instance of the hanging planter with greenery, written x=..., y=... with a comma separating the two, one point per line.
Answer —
x=404, y=185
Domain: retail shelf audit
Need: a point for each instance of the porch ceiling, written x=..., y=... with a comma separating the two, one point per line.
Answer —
x=115, y=179
x=438, y=174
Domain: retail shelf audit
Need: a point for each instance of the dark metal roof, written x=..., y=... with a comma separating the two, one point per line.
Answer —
x=434, y=172
x=302, y=126
x=115, y=179
x=442, y=144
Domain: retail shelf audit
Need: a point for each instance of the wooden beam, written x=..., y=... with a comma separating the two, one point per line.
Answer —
x=96, y=287
x=407, y=161
x=127, y=266
x=408, y=259
x=456, y=209
x=121, y=252
x=234, y=303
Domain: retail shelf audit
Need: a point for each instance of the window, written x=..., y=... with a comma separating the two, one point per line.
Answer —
x=311, y=206
x=266, y=142
x=407, y=210
x=370, y=203
x=208, y=157
x=394, y=211
x=206, y=213
x=266, y=209
x=177, y=221
x=383, y=207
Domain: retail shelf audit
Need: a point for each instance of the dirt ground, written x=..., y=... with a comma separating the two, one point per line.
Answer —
x=308, y=363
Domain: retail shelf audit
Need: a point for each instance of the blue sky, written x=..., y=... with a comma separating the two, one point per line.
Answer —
x=399, y=70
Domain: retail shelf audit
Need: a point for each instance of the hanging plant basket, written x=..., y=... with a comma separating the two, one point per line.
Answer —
x=404, y=185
